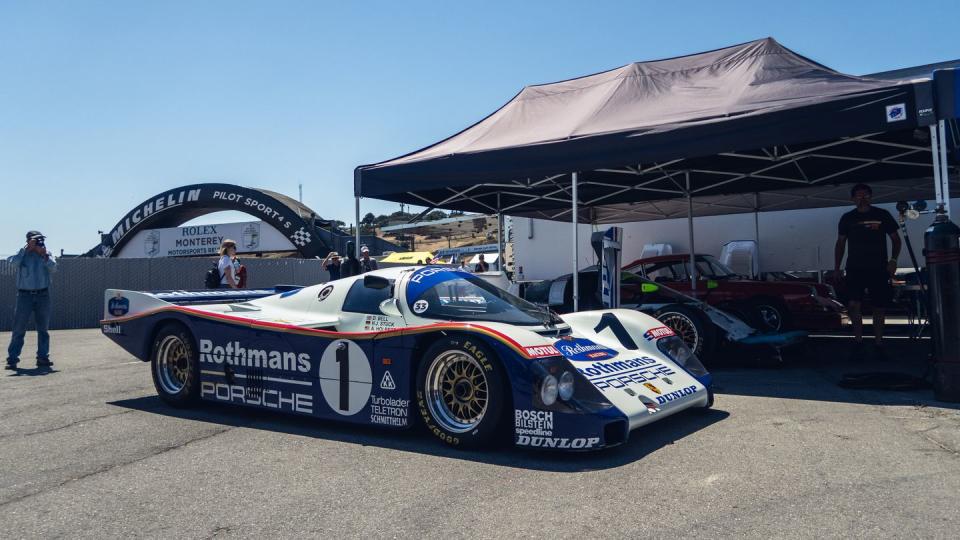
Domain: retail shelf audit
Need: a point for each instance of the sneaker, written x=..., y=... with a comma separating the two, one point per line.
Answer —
x=859, y=353
x=44, y=363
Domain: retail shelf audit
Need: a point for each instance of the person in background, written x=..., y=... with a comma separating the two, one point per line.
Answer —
x=34, y=265
x=366, y=263
x=332, y=265
x=350, y=265
x=241, y=275
x=865, y=230
x=228, y=266
x=428, y=261
x=463, y=265
x=482, y=265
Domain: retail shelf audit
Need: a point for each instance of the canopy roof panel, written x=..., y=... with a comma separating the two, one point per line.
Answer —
x=749, y=118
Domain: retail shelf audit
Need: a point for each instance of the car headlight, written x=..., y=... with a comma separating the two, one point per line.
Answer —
x=677, y=350
x=549, y=390
x=565, y=386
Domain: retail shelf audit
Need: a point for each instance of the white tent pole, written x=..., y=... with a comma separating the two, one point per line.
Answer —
x=500, y=264
x=576, y=247
x=693, y=265
x=935, y=153
x=756, y=226
x=944, y=170
x=356, y=247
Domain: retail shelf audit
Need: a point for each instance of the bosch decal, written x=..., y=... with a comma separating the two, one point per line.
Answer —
x=235, y=354
x=583, y=349
x=533, y=422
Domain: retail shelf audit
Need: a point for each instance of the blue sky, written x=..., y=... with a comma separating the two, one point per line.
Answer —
x=103, y=104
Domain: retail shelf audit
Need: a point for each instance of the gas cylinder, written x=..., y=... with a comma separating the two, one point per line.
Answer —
x=942, y=250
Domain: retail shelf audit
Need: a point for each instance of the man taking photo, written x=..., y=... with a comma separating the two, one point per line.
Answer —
x=34, y=265
x=865, y=229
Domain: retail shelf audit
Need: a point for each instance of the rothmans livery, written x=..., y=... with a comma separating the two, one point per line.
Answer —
x=406, y=346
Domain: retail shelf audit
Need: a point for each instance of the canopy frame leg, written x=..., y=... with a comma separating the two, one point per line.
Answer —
x=944, y=170
x=935, y=155
x=500, y=265
x=576, y=244
x=356, y=244
x=693, y=251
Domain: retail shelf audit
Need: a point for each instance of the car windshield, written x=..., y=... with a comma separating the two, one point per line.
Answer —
x=446, y=294
x=710, y=267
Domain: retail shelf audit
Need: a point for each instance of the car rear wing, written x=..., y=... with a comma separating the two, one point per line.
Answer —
x=119, y=303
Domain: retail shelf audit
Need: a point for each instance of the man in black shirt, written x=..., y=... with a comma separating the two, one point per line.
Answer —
x=865, y=229
x=350, y=265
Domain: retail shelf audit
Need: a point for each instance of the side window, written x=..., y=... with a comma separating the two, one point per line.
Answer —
x=660, y=272
x=680, y=271
x=362, y=299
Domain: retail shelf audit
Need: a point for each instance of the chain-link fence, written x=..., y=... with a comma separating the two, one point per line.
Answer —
x=78, y=284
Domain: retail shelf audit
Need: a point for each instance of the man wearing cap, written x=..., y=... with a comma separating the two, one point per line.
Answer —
x=332, y=265
x=34, y=265
x=366, y=263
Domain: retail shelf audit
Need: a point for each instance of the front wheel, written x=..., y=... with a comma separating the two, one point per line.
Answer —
x=692, y=325
x=461, y=392
x=175, y=367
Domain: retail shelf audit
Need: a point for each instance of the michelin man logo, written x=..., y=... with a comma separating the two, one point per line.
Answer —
x=301, y=237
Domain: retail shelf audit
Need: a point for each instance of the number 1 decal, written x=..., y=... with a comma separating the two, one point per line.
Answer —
x=346, y=379
x=609, y=320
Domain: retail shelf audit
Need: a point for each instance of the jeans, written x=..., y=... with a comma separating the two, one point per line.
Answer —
x=39, y=305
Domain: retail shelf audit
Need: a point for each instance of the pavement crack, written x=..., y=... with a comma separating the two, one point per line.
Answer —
x=114, y=466
x=65, y=426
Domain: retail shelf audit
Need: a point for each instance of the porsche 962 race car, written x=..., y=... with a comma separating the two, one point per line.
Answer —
x=403, y=346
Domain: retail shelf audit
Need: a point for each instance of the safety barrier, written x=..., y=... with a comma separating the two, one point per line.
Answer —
x=78, y=284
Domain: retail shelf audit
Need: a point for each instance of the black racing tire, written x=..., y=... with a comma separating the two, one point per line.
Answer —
x=175, y=366
x=693, y=327
x=769, y=315
x=462, y=392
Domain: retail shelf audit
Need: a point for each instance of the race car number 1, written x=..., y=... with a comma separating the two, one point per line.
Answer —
x=345, y=377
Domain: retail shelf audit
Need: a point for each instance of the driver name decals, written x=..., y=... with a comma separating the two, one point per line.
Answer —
x=378, y=322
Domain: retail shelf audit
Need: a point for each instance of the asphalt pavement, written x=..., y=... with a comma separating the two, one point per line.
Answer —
x=88, y=450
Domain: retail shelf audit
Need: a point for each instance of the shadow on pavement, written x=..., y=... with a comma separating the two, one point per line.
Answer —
x=31, y=372
x=643, y=441
x=813, y=371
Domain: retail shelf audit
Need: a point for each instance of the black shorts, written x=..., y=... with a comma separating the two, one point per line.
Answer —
x=877, y=282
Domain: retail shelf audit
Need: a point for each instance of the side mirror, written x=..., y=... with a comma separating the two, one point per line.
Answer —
x=649, y=287
x=711, y=284
x=390, y=307
x=375, y=282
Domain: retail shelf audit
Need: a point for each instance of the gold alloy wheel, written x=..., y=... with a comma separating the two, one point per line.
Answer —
x=457, y=390
x=172, y=364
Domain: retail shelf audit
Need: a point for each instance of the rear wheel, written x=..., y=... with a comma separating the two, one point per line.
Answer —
x=693, y=327
x=175, y=367
x=461, y=392
x=769, y=315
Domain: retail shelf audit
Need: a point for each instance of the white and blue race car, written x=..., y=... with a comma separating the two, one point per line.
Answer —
x=403, y=346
